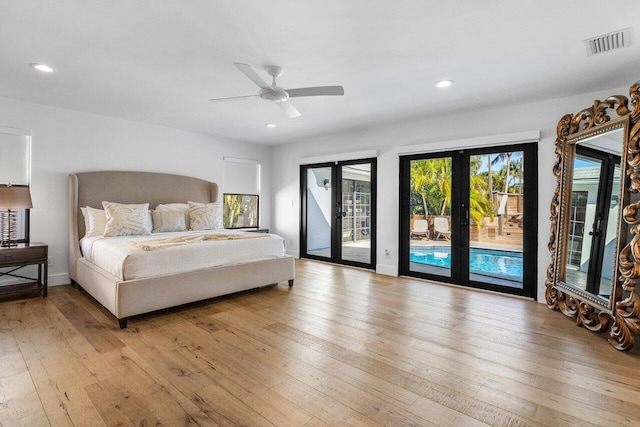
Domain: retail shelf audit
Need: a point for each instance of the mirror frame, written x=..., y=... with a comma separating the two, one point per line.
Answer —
x=621, y=317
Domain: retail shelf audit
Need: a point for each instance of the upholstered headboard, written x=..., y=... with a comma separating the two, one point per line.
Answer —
x=92, y=188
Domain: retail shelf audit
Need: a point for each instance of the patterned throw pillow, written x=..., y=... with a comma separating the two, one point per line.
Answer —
x=205, y=216
x=176, y=207
x=164, y=221
x=126, y=220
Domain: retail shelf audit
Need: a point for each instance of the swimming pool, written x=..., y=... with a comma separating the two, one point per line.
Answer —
x=489, y=262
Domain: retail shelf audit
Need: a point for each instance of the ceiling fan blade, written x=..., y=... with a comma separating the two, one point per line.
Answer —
x=316, y=91
x=291, y=111
x=234, y=98
x=250, y=72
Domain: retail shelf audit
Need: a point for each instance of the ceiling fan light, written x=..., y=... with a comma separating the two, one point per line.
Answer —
x=444, y=84
x=275, y=94
x=42, y=67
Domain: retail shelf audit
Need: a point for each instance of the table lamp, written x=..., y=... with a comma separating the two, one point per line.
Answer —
x=12, y=197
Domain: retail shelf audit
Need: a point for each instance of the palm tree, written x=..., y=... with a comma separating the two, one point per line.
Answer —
x=431, y=179
x=441, y=169
x=479, y=192
x=499, y=158
x=420, y=179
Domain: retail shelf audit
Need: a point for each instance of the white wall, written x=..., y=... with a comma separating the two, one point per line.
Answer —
x=65, y=142
x=435, y=132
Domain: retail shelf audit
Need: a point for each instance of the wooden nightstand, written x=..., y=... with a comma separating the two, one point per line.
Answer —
x=21, y=256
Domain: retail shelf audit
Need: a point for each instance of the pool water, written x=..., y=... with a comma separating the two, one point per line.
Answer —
x=491, y=262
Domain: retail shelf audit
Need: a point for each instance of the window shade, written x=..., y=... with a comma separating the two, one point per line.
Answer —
x=15, y=155
x=241, y=176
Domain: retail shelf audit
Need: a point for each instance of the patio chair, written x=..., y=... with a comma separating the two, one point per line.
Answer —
x=420, y=228
x=441, y=228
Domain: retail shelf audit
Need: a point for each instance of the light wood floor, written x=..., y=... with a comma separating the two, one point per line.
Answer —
x=342, y=347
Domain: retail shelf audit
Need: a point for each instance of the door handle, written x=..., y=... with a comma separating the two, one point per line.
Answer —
x=597, y=232
x=465, y=221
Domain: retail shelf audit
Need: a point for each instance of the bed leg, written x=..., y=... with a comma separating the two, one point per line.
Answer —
x=122, y=323
x=290, y=282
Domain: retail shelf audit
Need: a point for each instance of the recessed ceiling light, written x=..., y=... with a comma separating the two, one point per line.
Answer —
x=444, y=83
x=270, y=125
x=42, y=67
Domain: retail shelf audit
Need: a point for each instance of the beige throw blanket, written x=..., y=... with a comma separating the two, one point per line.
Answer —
x=152, y=245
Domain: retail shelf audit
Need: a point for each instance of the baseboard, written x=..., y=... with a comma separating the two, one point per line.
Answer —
x=59, y=279
x=295, y=254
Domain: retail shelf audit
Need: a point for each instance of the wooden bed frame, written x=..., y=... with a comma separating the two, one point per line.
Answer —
x=126, y=298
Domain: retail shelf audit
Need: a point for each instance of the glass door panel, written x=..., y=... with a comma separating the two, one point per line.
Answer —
x=319, y=196
x=355, y=212
x=496, y=218
x=585, y=189
x=338, y=212
x=430, y=216
x=610, y=238
x=594, y=213
x=463, y=218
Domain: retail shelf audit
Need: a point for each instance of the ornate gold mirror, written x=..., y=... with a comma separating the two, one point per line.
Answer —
x=595, y=253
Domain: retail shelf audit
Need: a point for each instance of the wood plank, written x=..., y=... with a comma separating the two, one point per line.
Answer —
x=95, y=333
x=19, y=400
x=456, y=395
x=343, y=346
x=17, y=315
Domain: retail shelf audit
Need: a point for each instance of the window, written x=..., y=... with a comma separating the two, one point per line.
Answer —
x=241, y=200
x=241, y=211
x=576, y=227
x=15, y=152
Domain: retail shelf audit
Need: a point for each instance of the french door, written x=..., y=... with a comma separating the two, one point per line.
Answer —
x=470, y=218
x=594, y=211
x=338, y=214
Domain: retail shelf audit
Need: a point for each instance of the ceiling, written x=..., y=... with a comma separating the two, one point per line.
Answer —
x=159, y=61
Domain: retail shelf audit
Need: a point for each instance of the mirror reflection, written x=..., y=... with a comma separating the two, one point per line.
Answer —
x=594, y=213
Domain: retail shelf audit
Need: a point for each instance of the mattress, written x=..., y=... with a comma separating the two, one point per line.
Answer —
x=120, y=258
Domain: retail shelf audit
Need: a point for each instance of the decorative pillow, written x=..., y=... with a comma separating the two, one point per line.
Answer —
x=126, y=220
x=205, y=216
x=176, y=207
x=95, y=221
x=168, y=221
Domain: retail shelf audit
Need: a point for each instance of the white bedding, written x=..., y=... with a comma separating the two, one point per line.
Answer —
x=118, y=257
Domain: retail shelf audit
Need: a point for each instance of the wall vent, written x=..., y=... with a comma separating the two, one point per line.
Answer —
x=607, y=42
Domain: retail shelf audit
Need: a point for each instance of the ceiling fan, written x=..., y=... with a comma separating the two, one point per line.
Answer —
x=277, y=94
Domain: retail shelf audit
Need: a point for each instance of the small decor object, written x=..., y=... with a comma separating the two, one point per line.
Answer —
x=12, y=197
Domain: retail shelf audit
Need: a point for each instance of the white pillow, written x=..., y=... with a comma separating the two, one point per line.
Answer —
x=126, y=220
x=205, y=216
x=95, y=221
x=176, y=207
x=168, y=221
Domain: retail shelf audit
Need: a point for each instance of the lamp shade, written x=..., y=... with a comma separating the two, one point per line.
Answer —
x=15, y=197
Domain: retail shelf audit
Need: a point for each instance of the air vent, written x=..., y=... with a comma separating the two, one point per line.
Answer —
x=607, y=42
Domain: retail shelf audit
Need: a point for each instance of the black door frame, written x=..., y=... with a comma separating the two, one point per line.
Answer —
x=336, y=202
x=459, y=218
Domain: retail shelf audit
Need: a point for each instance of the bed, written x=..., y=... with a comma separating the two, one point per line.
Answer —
x=126, y=294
